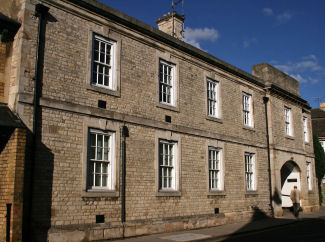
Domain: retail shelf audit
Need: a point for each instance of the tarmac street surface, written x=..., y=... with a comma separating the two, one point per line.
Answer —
x=309, y=230
x=310, y=227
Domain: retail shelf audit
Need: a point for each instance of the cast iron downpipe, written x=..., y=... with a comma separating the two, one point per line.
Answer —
x=8, y=218
x=125, y=133
x=266, y=100
x=41, y=12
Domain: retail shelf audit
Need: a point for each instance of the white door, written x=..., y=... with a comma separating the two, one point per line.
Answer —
x=292, y=180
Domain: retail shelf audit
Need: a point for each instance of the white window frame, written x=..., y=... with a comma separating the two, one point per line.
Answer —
x=93, y=161
x=308, y=169
x=250, y=172
x=215, y=169
x=100, y=65
x=166, y=82
x=213, y=98
x=287, y=121
x=167, y=167
x=305, y=123
x=322, y=143
x=247, y=109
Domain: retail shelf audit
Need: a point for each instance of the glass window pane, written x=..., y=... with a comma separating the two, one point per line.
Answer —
x=104, y=180
x=100, y=79
x=105, y=154
x=97, y=167
x=105, y=168
x=92, y=139
x=108, y=58
x=99, y=153
x=164, y=172
x=96, y=55
x=97, y=180
x=92, y=153
x=99, y=140
x=106, y=138
x=105, y=80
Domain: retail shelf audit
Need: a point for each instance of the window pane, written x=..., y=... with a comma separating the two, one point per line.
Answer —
x=97, y=180
x=100, y=79
x=96, y=45
x=92, y=151
x=105, y=168
x=92, y=139
x=106, y=138
x=97, y=167
x=104, y=180
x=96, y=55
x=91, y=174
x=105, y=154
x=108, y=56
x=100, y=140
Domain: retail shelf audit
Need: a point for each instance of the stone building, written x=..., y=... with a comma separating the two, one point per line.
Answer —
x=116, y=129
x=318, y=124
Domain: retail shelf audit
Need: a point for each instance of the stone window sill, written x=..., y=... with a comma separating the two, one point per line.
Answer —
x=169, y=194
x=215, y=119
x=251, y=194
x=92, y=193
x=249, y=128
x=115, y=93
x=216, y=194
x=168, y=107
x=289, y=137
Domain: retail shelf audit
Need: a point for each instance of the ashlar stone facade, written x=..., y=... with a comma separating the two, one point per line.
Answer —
x=197, y=154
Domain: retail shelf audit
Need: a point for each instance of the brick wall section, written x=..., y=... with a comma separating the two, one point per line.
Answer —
x=62, y=135
x=2, y=56
x=2, y=67
x=12, y=160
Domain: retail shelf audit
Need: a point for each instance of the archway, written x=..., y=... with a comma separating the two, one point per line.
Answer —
x=290, y=177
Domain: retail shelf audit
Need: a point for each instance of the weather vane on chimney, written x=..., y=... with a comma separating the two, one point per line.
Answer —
x=174, y=4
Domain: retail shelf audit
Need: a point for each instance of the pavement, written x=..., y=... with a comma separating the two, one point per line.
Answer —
x=222, y=232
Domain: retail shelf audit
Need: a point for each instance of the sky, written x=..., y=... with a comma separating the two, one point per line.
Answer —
x=288, y=34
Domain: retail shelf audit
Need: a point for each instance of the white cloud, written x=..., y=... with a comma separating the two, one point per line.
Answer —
x=310, y=57
x=299, y=78
x=194, y=36
x=279, y=17
x=284, y=68
x=248, y=42
x=309, y=64
x=306, y=66
x=284, y=17
x=268, y=11
x=312, y=65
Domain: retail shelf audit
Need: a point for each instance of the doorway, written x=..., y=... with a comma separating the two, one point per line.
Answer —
x=290, y=177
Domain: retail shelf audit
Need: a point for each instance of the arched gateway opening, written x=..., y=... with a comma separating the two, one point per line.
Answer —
x=290, y=177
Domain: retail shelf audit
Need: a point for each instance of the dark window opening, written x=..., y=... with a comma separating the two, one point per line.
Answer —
x=100, y=219
x=101, y=104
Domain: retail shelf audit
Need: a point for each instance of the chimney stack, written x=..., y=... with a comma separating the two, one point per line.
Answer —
x=322, y=106
x=172, y=24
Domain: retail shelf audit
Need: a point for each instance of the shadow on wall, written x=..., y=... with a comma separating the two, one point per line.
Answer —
x=39, y=172
x=5, y=134
x=37, y=214
x=277, y=197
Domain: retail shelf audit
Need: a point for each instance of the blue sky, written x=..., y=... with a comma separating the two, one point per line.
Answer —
x=288, y=34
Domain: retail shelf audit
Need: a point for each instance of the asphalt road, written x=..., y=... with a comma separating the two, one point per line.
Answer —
x=308, y=230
